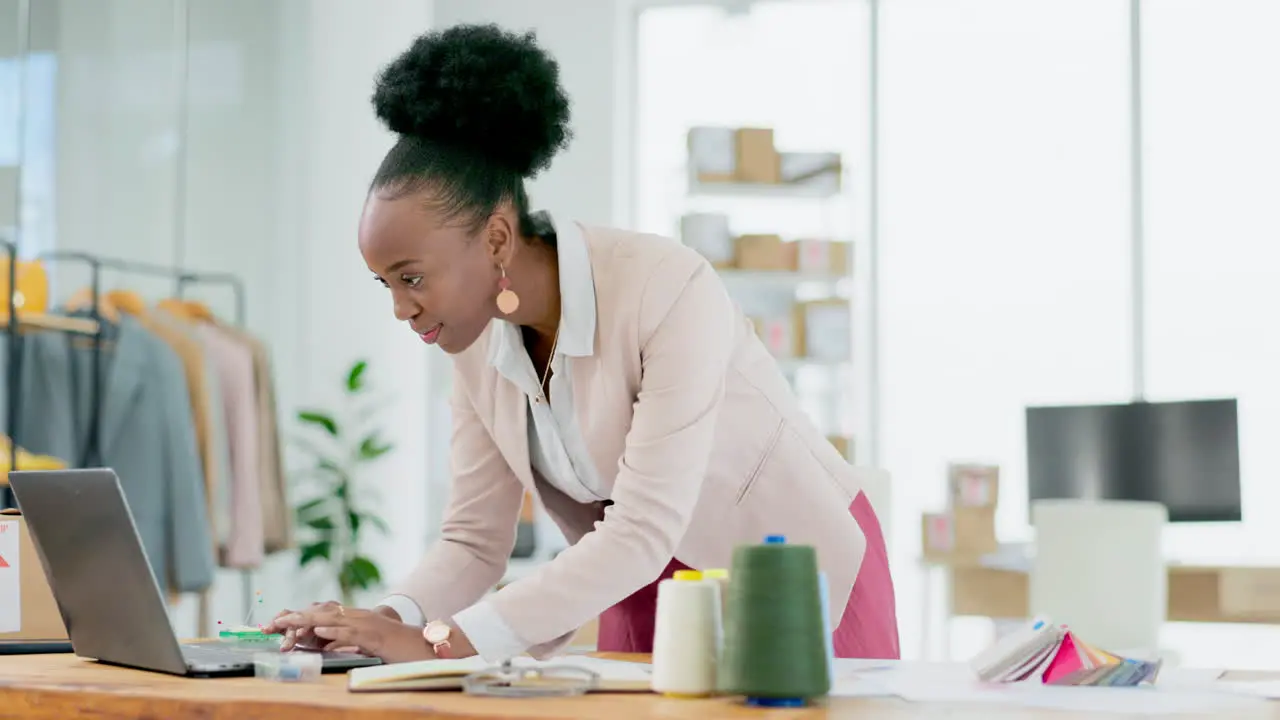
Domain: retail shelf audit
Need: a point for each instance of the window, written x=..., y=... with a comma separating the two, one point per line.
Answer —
x=28, y=134
x=1212, y=139
x=1004, y=235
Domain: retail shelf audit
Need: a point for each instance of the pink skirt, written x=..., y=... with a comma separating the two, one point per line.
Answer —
x=868, y=627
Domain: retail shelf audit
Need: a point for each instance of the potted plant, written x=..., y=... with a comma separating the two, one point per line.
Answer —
x=333, y=521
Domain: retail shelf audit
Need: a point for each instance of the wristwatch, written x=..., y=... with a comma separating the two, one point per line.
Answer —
x=437, y=635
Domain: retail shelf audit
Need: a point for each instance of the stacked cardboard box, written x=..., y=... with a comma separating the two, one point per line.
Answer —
x=967, y=529
x=27, y=608
x=726, y=155
x=748, y=155
x=814, y=330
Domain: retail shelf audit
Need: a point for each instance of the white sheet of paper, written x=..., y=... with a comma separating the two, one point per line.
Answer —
x=852, y=677
x=1269, y=689
x=10, y=590
x=1147, y=700
x=955, y=683
x=1182, y=677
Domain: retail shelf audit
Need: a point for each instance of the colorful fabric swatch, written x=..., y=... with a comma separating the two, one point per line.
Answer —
x=1042, y=652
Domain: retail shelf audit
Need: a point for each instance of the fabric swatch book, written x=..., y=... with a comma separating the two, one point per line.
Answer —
x=1053, y=655
x=610, y=675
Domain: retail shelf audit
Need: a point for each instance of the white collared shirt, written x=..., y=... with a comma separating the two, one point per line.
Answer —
x=557, y=448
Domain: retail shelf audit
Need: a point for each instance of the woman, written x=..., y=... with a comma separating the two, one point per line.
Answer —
x=604, y=370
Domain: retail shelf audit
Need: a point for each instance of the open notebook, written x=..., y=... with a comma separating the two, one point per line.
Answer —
x=614, y=675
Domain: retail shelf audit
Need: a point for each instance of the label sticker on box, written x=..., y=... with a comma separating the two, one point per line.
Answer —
x=941, y=534
x=974, y=490
x=10, y=589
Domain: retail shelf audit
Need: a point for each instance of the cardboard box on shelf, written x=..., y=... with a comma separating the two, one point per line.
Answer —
x=27, y=608
x=764, y=252
x=756, y=159
x=973, y=485
x=709, y=234
x=825, y=329
x=963, y=532
x=779, y=334
x=824, y=256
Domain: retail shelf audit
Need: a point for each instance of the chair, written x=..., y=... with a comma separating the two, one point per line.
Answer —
x=1099, y=568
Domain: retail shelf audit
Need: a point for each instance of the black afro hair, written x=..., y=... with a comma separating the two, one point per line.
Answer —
x=478, y=91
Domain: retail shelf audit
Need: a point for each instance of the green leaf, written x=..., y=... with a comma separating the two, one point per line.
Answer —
x=355, y=378
x=321, y=523
x=359, y=572
x=371, y=448
x=323, y=420
x=353, y=519
x=311, y=506
x=314, y=551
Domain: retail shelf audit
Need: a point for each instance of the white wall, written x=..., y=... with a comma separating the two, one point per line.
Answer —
x=585, y=37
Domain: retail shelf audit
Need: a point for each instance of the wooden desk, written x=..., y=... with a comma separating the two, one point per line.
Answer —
x=1197, y=593
x=55, y=687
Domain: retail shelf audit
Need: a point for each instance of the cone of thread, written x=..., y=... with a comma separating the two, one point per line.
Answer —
x=774, y=649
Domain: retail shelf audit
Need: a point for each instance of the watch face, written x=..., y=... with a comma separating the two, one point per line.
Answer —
x=436, y=633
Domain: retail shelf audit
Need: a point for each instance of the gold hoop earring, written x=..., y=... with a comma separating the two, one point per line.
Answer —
x=508, y=301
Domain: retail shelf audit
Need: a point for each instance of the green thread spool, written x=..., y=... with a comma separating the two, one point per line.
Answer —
x=774, y=651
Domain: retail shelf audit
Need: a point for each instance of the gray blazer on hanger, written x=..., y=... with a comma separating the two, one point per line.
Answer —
x=146, y=434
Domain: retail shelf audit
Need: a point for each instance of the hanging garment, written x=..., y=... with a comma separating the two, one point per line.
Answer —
x=146, y=434
x=217, y=462
x=189, y=353
x=245, y=547
x=277, y=514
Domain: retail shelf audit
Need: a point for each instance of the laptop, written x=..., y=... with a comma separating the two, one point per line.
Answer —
x=111, y=604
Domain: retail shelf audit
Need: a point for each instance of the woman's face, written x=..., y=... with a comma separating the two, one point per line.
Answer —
x=443, y=281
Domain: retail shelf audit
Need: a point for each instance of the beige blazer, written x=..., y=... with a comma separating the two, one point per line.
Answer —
x=688, y=416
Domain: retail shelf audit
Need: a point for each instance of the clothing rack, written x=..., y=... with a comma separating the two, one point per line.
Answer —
x=182, y=278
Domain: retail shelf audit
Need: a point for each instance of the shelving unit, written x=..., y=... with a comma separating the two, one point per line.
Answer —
x=740, y=192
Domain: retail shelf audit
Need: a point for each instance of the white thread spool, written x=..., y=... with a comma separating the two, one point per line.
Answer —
x=686, y=636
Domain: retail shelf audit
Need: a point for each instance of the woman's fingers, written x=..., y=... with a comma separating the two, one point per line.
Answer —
x=273, y=628
x=337, y=637
x=277, y=626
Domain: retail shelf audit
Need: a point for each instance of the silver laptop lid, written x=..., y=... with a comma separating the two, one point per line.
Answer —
x=92, y=555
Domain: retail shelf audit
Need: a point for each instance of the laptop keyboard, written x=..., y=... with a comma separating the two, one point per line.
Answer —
x=213, y=653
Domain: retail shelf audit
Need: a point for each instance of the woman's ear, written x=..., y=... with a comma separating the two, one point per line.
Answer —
x=501, y=238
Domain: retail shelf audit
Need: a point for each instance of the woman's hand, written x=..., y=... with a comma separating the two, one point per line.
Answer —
x=297, y=637
x=331, y=627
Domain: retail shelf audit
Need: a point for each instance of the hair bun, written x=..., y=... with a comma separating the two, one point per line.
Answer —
x=478, y=89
